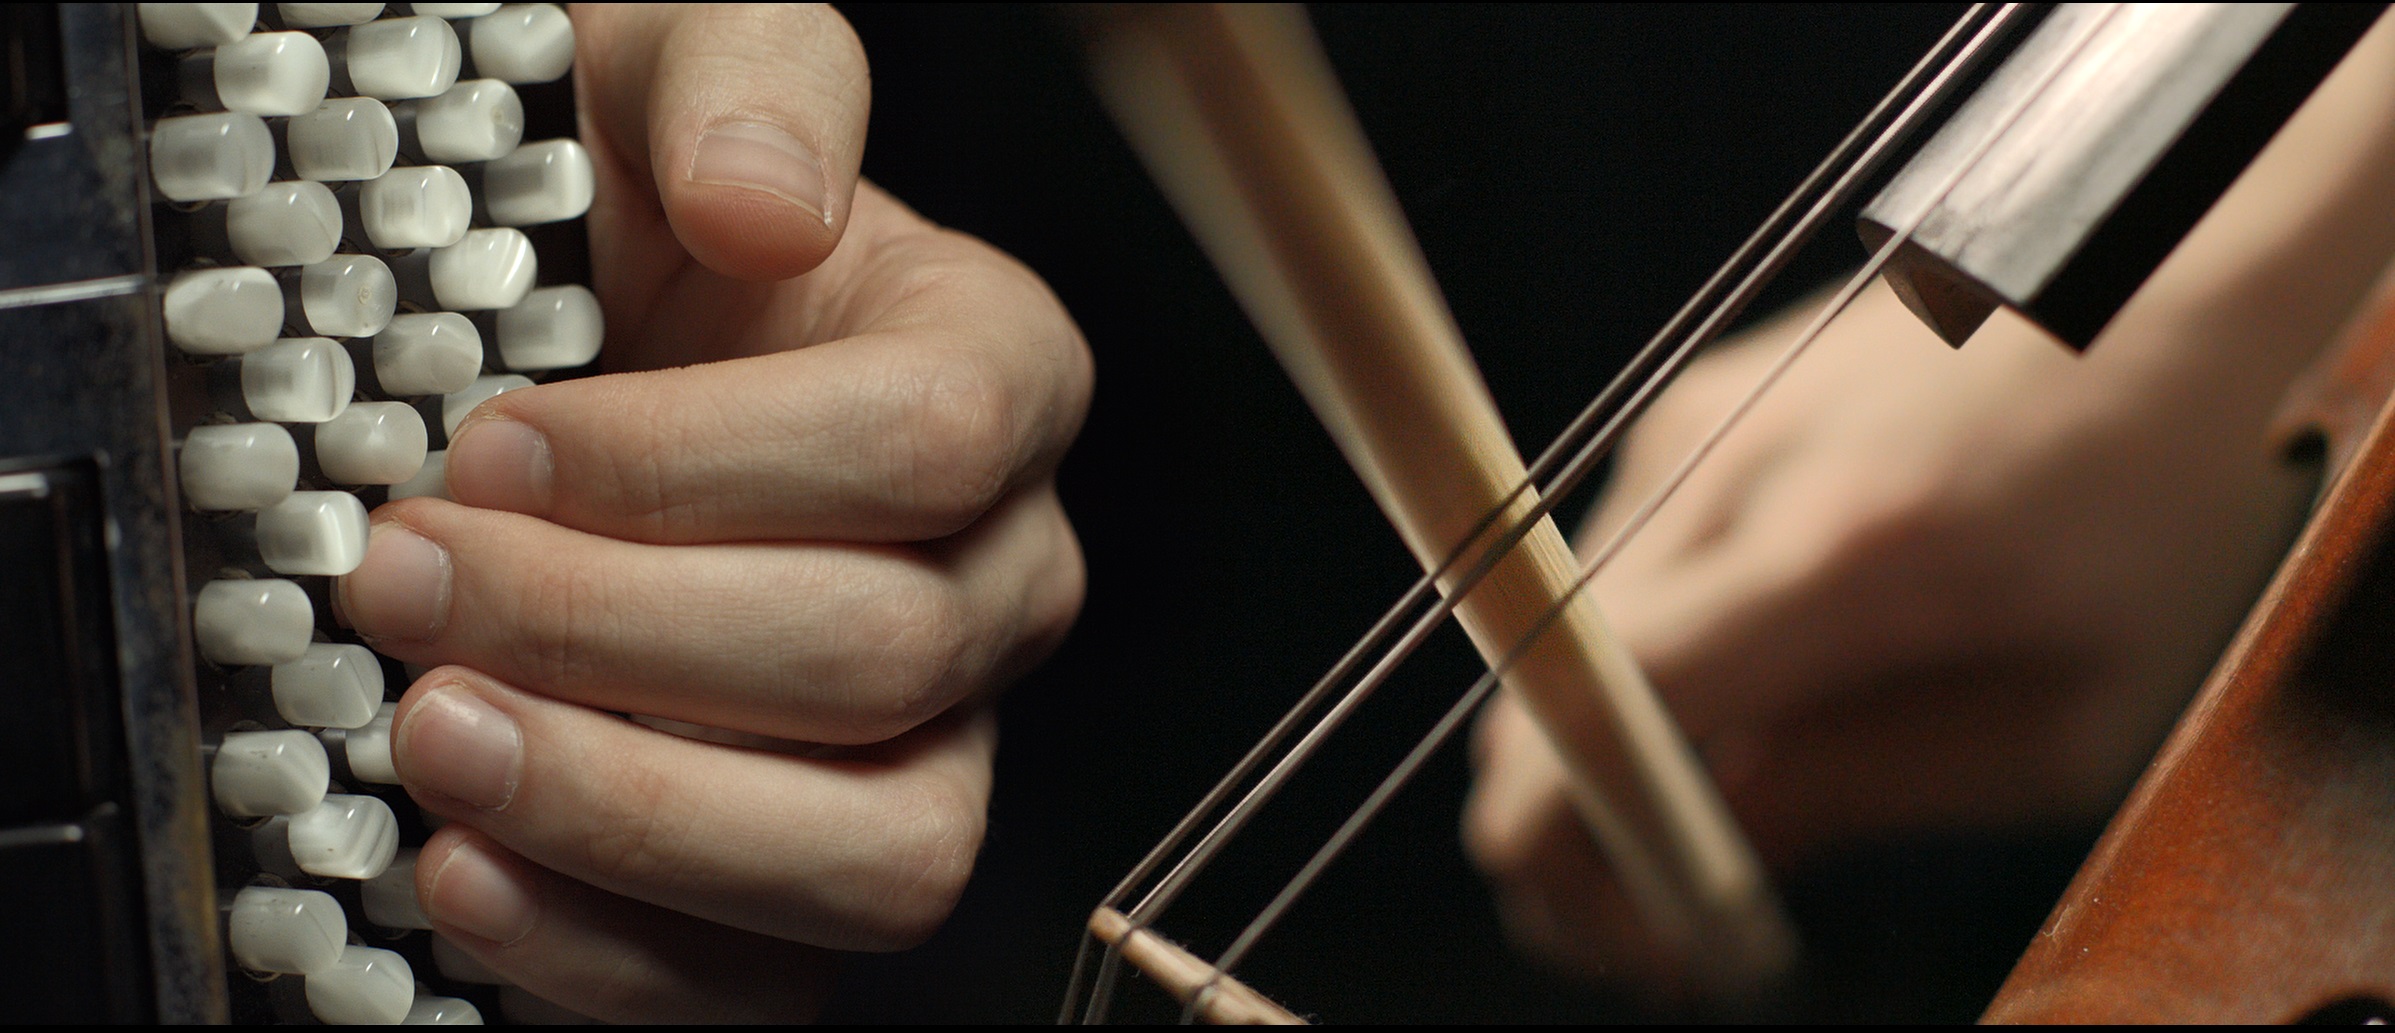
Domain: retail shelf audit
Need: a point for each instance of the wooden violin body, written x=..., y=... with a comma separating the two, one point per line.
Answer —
x=2251, y=877
x=2034, y=184
x=1390, y=958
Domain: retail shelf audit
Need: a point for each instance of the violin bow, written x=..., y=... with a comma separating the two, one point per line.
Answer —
x=1236, y=113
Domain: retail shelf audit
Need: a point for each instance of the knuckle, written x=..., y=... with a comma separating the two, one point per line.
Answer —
x=1069, y=574
x=966, y=435
x=937, y=831
x=958, y=440
x=555, y=606
x=1906, y=554
x=1894, y=528
x=1501, y=847
x=639, y=843
x=969, y=414
x=633, y=486
x=924, y=640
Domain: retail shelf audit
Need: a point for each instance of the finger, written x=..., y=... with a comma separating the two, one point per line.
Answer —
x=613, y=959
x=816, y=642
x=748, y=121
x=955, y=378
x=859, y=850
x=1554, y=889
x=1988, y=747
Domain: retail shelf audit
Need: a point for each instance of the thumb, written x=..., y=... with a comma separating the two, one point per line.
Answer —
x=751, y=118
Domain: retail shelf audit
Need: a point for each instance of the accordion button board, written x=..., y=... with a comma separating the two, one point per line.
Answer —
x=260, y=260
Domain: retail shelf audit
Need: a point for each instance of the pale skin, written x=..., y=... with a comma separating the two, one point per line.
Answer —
x=1924, y=589
x=809, y=520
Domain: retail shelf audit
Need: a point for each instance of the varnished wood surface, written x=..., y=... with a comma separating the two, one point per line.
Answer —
x=2251, y=878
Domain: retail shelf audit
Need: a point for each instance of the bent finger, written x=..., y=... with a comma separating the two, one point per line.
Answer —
x=1554, y=888
x=615, y=959
x=854, y=850
x=960, y=382
x=817, y=642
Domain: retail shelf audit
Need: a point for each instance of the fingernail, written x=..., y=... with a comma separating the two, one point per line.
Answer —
x=755, y=156
x=502, y=464
x=457, y=744
x=476, y=893
x=401, y=591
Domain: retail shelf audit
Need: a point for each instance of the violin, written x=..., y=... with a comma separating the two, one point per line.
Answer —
x=2076, y=167
x=1220, y=401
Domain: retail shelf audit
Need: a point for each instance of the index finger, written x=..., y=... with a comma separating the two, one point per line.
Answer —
x=961, y=380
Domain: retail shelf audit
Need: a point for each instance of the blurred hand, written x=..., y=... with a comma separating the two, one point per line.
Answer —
x=1922, y=589
x=810, y=523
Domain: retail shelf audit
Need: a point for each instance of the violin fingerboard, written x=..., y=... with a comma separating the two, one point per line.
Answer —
x=261, y=260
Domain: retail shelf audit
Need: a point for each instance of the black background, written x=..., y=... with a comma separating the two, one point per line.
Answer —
x=1572, y=173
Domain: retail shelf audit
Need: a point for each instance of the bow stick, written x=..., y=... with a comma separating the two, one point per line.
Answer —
x=1236, y=113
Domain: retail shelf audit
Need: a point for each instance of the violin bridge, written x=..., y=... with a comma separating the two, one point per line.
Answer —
x=1220, y=999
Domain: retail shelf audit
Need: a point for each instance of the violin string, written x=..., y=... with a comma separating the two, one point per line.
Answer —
x=1487, y=683
x=1229, y=783
x=1950, y=58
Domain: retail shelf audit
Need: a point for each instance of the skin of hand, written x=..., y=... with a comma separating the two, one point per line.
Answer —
x=1924, y=589
x=808, y=520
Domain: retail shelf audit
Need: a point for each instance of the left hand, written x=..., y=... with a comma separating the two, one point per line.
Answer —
x=813, y=515
x=1920, y=590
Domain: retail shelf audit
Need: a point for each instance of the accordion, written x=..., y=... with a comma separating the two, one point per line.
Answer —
x=255, y=261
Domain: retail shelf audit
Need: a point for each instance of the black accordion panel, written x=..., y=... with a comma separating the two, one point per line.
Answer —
x=258, y=259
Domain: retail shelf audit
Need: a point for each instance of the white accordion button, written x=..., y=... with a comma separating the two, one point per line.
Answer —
x=291, y=223
x=348, y=138
x=371, y=443
x=223, y=311
x=368, y=748
x=366, y=986
x=287, y=931
x=313, y=532
x=443, y=1011
x=477, y=120
x=345, y=837
x=522, y=43
x=333, y=685
x=419, y=206
x=298, y=380
x=272, y=73
x=486, y=270
x=184, y=26
x=539, y=182
x=326, y=16
x=390, y=898
x=403, y=58
x=238, y=466
x=456, y=405
x=455, y=10
x=552, y=328
x=259, y=774
x=266, y=621
x=427, y=353
x=348, y=296
x=210, y=157
x=431, y=482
